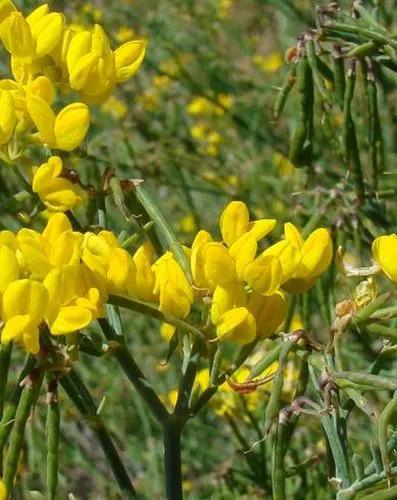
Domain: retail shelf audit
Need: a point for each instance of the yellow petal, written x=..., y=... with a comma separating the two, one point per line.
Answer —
x=9, y=267
x=219, y=266
x=70, y=319
x=15, y=327
x=8, y=118
x=57, y=224
x=384, y=250
x=265, y=274
x=237, y=325
x=269, y=312
x=42, y=116
x=128, y=59
x=262, y=227
x=234, y=221
x=6, y=9
x=226, y=298
x=293, y=235
x=243, y=251
x=25, y=297
x=316, y=253
x=47, y=32
x=71, y=126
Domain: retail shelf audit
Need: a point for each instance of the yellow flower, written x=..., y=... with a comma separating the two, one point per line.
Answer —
x=282, y=163
x=115, y=107
x=124, y=33
x=91, y=64
x=269, y=63
x=142, y=284
x=316, y=255
x=384, y=250
x=66, y=130
x=174, y=290
x=33, y=37
x=68, y=311
x=56, y=192
x=103, y=255
x=237, y=325
x=58, y=245
x=225, y=298
x=24, y=305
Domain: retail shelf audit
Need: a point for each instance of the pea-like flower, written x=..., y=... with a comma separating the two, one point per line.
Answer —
x=384, y=251
x=174, y=290
x=24, y=305
x=57, y=193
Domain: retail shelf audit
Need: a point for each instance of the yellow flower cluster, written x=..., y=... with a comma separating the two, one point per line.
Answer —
x=247, y=290
x=63, y=277
x=46, y=52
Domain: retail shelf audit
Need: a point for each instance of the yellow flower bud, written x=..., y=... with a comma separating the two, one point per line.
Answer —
x=71, y=126
x=384, y=250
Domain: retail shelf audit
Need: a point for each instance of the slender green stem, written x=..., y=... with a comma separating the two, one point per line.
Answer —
x=79, y=394
x=149, y=310
x=134, y=373
x=52, y=430
x=5, y=358
x=172, y=459
x=11, y=405
x=29, y=396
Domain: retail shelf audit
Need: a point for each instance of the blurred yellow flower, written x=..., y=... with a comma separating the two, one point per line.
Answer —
x=269, y=63
x=115, y=107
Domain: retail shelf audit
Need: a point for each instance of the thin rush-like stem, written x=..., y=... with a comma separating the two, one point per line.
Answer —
x=5, y=358
x=172, y=459
x=134, y=373
x=11, y=404
x=52, y=431
x=149, y=310
x=80, y=396
x=29, y=396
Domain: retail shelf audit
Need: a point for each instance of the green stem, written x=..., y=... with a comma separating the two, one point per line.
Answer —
x=151, y=311
x=134, y=373
x=86, y=405
x=5, y=358
x=172, y=459
x=52, y=430
x=28, y=398
x=11, y=405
